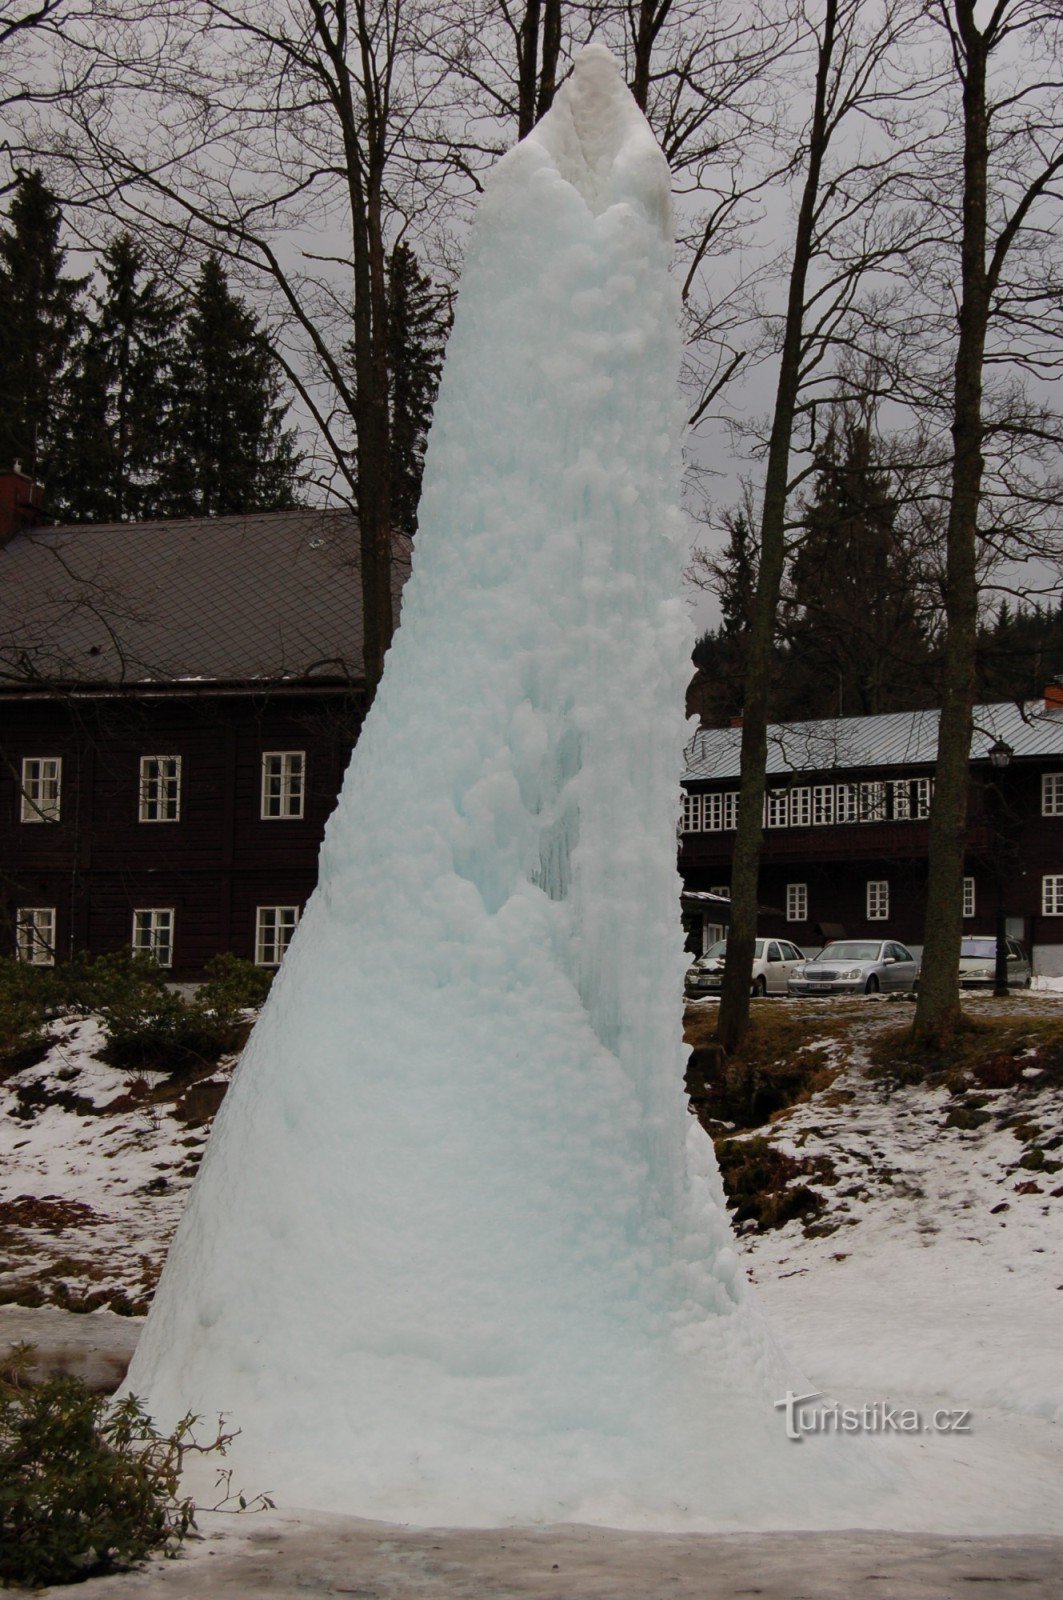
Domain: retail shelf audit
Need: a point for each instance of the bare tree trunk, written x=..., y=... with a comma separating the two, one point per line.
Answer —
x=645, y=22
x=938, y=1009
x=745, y=867
x=551, y=53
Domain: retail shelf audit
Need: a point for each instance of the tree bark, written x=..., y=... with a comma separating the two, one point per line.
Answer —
x=745, y=868
x=938, y=1009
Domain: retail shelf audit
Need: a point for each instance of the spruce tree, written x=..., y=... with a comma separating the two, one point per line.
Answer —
x=118, y=414
x=857, y=643
x=38, y=321
x=230, y=450
x=418, y=324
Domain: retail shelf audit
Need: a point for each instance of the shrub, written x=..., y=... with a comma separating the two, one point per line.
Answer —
x=149, y=1026
x=233, y=985
x=86, y=1486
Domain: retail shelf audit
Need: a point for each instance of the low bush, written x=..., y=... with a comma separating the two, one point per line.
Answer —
x=149, y=1025
x=86, y=1486
x=233, y=985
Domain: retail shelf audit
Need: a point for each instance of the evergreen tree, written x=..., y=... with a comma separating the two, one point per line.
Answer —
x=418, y=324
x=38, y=321
x=856, y=641
x=1019, y=652
x=118, y=413
x=230, y=450
x=719, y=655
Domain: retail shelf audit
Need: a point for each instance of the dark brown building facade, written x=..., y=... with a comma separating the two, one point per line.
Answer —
x=178, y=704
x=846, y=831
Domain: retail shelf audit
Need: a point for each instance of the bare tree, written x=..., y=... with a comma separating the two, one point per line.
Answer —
x=296, y=139
x=846, y=233
x=1006, y=69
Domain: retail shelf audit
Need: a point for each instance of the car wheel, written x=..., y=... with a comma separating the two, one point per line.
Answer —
x=871, y=986
x=760, y=987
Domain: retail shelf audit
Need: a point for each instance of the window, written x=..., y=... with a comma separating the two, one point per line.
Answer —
x=878, y=899
x=910, y=798
x=153, y=934
x=274, y=926
x=282, y=783
x=800, y=808
x=160, y=788
x=720, y=811
x=692, y=813
x=1052, y=794
x=900, y=792
x=847, y=804
x=35, y=935
x=41, y=784
x=776, y=808
x=968, y=897
x=823, y=804
x=1052, y=895
x=774, y=953
x=723, y=890
x=872, y=802
x=797, y=902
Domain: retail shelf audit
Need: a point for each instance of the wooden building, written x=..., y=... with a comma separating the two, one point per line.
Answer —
x=178, y=704
x=846, y=831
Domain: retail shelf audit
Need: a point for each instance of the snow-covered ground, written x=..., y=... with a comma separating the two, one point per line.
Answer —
x=95, y=1170
x=932, y=1278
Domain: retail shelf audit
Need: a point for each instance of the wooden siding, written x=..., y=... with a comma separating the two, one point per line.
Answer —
x=214, y=865
x=837, y=860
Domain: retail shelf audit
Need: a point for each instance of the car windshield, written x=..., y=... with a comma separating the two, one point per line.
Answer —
x=717, y=951
x=853, y=950
x=978, y=947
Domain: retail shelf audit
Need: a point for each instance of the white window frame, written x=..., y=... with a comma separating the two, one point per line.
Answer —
x=900, y=792
x=872, y=802
x=797, y=902
x=1052, y=894
x=730, y=810
x=847, y=803
x=290, y=775
x=878, y=899
x=272, y=938
x=35, y=935
x=777, y=808
x=153, y=933
x=692, y=812
x=1052, y=794
x=801, y=808
x=922, y=794
x=969, y=897
x=160, y=789
x=42, y=788
x=723, y=890
x=823, y=799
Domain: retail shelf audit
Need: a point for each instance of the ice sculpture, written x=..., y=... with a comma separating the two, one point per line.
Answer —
x=456, y=1252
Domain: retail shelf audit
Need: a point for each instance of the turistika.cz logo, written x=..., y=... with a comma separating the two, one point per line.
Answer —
x=875, y=1416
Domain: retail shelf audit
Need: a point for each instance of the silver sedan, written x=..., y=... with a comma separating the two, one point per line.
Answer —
x=857, y=966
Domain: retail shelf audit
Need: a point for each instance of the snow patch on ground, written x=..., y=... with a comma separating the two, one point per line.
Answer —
x=95, y=1176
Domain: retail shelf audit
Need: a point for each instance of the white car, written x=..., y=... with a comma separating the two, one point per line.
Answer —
x=773, y=962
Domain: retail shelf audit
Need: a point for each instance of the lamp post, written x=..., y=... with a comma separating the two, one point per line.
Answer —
x=1000, y=755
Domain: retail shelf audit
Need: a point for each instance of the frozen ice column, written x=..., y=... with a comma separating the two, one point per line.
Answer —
x=451, y=1256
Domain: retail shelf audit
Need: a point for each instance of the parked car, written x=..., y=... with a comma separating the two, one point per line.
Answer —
x=857, y=966
x=773, y=962
x=978, y=964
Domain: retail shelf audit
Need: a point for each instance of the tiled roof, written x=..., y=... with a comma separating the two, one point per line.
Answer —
x=896, y=739
x=270, y=596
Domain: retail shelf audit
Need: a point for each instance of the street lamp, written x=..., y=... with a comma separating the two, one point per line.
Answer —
x=1000, y=755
